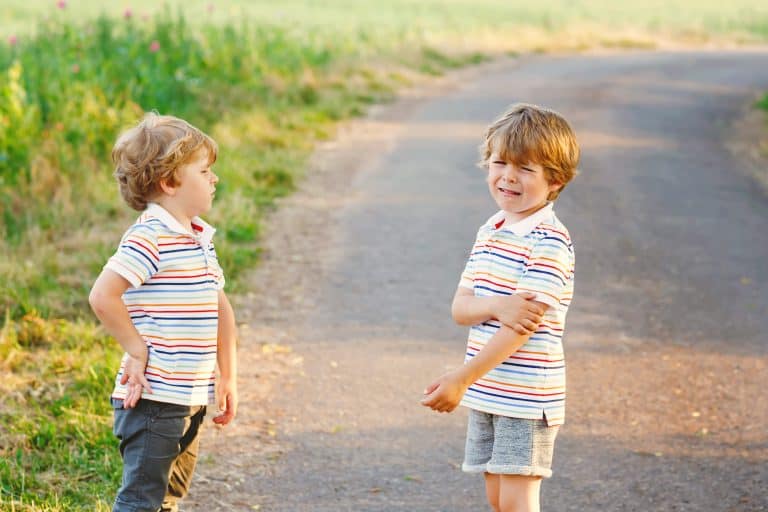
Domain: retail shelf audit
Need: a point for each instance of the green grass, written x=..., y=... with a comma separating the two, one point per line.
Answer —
x=57, y=447
x=267, y=81
x=763, y=102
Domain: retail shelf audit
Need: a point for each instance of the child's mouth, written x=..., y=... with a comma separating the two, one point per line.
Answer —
x=508, y=192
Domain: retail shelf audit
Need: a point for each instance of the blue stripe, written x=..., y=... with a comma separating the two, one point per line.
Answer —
x=143, y=255
x=506, y=404
x=156, y=283
x=187, y=293
x=194, y=318
x=162, y=384
x=531, y=400
x=549, y=273
x=186, y=249
x=495, y=292
x=493, y=255
x=191, y=352
x=557, y=239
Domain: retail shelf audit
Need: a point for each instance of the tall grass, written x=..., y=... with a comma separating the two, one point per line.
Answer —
x=267, y=90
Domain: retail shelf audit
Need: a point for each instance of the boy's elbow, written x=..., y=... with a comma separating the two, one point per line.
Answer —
x=98, y=301
x=458, y=317
x=94, y=300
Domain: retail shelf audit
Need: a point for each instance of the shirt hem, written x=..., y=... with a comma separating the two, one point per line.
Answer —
x=168, y=400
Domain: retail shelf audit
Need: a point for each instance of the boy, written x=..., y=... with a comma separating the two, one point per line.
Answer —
x=161, y=296
x=515, y=292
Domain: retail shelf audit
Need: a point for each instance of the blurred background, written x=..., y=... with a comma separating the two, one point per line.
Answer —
x=267, y=80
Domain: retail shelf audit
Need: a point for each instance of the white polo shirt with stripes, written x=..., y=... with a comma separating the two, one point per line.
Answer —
x=532, y=255
x=173, y=302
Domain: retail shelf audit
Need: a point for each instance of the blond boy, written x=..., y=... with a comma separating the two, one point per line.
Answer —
x=161, y=295
x=515, y=291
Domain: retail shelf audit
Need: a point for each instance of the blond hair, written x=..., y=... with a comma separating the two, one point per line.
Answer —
x=527, y=134
x=152, y=152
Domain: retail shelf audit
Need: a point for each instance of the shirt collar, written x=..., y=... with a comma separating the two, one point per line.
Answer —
x=202, y=230
x=524, y=226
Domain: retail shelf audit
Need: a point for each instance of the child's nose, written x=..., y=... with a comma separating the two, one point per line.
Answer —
x=215, y=178
x=509, y=173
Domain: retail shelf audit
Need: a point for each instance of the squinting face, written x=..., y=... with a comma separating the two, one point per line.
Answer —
x=197, y=185
x=518, y=190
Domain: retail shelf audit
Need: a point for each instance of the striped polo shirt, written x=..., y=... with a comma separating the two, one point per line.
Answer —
x=532, y=255
x=173, y=302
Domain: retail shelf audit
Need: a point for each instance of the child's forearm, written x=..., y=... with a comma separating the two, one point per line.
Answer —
x=114, y=316
x=501, y=345
x=227, y=339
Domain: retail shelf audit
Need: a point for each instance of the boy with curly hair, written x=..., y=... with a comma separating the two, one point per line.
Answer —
x=161, y=296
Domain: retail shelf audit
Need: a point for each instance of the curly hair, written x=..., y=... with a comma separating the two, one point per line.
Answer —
x=531, y=134
x=152, y=152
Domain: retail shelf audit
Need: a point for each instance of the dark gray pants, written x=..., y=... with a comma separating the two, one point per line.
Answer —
x=158, y=444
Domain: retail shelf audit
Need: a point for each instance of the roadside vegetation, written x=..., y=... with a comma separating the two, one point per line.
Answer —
x=267, y=80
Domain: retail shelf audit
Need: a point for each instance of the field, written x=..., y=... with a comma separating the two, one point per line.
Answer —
x=267, y=82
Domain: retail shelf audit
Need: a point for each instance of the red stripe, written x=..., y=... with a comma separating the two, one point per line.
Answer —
x=163, y=276
x=535, y=359
x=178, y=243
x=172, y=310
x=150, y=251
x=510, y=251
x=175, y=345
x=495, y=283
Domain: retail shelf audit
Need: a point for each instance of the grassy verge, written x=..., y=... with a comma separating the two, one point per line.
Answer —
x=55, y=437
x=267, y=91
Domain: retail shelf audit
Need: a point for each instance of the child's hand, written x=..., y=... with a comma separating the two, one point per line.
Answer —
x=226, y=399
x=444, y=394
x=519, y=312
x=134, y=379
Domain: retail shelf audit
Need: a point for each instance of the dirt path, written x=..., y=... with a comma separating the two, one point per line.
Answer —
x=667, y=352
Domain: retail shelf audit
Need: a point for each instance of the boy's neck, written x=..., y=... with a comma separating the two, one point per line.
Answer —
x=176, y=211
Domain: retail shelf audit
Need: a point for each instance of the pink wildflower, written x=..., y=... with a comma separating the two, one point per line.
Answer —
x=154, y=47
x=210, y=7
x=12, y=40
x=75, y=68
x=128, y=14
x=61, y=4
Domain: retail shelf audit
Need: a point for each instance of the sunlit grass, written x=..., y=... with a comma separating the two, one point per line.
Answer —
x=56, y=446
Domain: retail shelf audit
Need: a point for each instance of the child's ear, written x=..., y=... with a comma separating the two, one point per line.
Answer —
x=167, y=188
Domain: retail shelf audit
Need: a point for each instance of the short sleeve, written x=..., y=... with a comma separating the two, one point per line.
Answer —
x=216, y=271
x=468, y=275
x=549, y=270
x=138, y=257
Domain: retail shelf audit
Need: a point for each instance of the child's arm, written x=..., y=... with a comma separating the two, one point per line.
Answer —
x=226, y=388
x=107, y=303
x=445, y=393
x=517, y=311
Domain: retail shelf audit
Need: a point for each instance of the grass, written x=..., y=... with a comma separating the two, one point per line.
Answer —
x=58, y=451
x=268, y=81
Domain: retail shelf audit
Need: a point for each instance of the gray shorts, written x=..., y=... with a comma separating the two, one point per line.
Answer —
x=508, y=446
